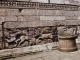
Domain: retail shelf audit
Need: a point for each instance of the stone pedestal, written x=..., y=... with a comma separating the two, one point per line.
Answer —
x=67, y=43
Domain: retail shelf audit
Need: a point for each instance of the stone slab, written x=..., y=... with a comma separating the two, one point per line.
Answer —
x=10, y=18
x=52, y=18
x=12, y=12
x=31, y=18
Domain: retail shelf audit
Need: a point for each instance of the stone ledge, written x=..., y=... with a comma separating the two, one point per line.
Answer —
x=36, y=48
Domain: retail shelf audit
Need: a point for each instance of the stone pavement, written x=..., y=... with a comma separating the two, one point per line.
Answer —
x=51, y=55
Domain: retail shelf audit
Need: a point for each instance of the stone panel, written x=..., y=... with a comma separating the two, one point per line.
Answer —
x=2, y=11
x=10, y=18
x=12, y=12
x=52, y=18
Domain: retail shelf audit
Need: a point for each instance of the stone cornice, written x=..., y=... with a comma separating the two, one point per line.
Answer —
x=36, y=5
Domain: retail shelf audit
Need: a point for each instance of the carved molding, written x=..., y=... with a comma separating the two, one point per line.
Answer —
x=36, y=5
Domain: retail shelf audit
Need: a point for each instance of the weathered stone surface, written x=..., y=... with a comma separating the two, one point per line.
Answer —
x=29, y=12
x=59, y=1
x=10, y=18
x=2, y=11
x=46, y=12
x=50, y=23
x=40, y=1
x=31, y=18
x=78, y=17
x=1, y=19
x=72, y=18
x=12, y=12
x=71, y=13
x=71, y=22
x=5, y=52
x=59, y=12
x=10, y=25
x=43, y=23
x=20, y=18
x=52, y=18
x=35, y=23
x=29, y=49
x=16, y=24
x=60, y=22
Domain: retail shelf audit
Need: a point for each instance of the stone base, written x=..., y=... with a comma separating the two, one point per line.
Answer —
x=67, y=50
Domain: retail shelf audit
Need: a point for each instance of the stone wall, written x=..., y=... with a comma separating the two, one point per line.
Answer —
x=22, y=18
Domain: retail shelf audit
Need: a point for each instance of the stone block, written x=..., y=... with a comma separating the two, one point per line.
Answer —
x=29, y=12
x=66, y=2
x=35, y=23
x=1, y=19
x=12, y=12
x=2, y=12
x=31, y=18
x=78, y=17
x=20, y=18
x=29, y=24
x=46, y=18
x=71, y=18
x=59, y=1
x=52, y=18
x=20, y=24
x=71, y=22
x=43, y=1
x=59, y=18
x=71, y=13
x=10, y=25
x=46, y=12
x=59, y=12
x=43, y=23
x=10, y=18
x=49, y=23
x=60, y=22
